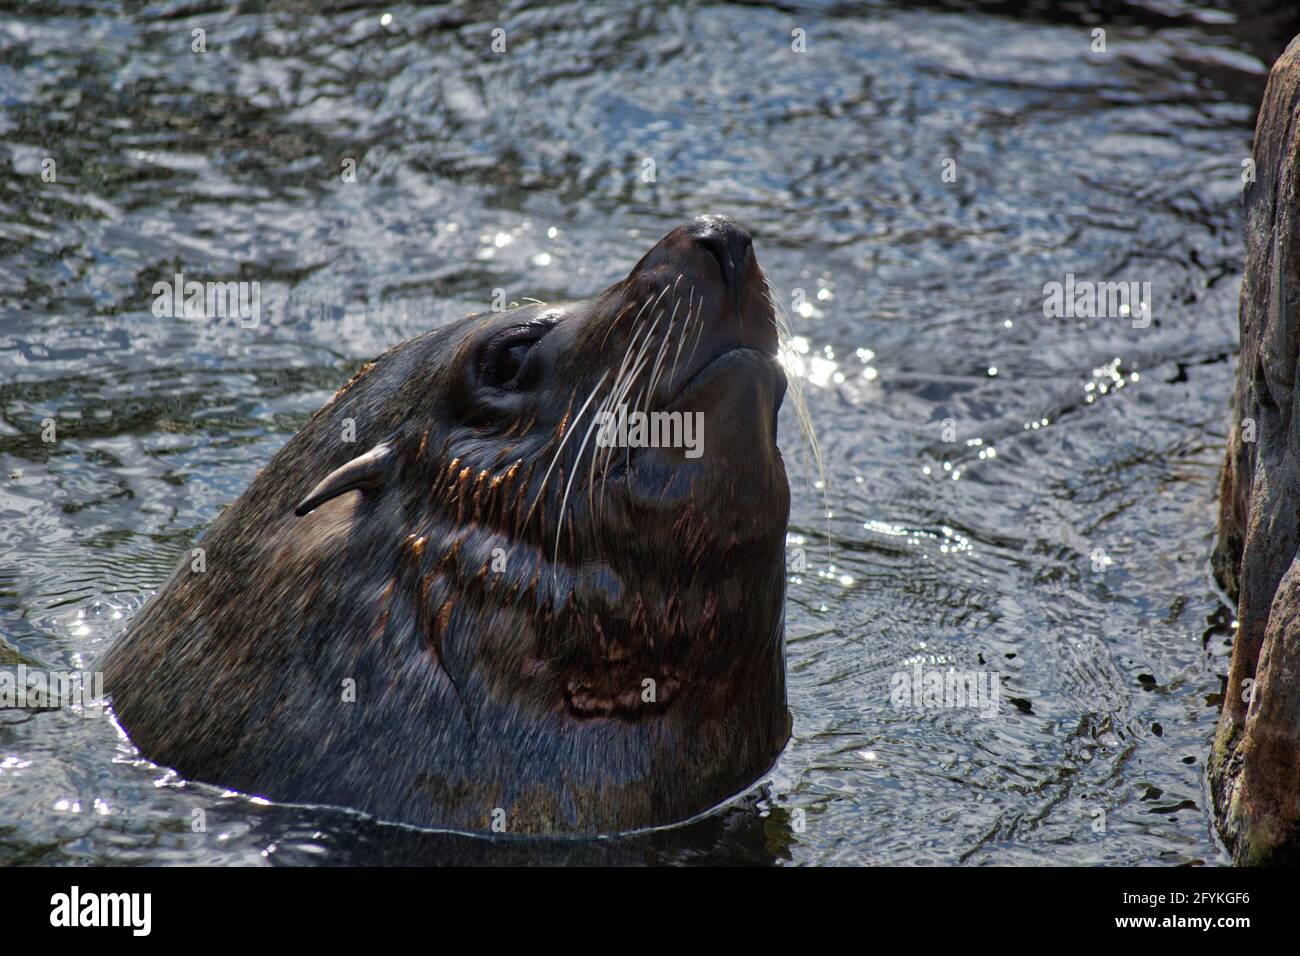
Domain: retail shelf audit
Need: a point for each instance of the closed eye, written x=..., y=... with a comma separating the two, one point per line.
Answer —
x=502, y=362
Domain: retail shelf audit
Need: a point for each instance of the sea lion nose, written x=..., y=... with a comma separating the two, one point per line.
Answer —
x=728, y=242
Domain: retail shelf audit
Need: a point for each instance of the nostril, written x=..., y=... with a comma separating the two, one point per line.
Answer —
x=729, y=244
x=717, y=248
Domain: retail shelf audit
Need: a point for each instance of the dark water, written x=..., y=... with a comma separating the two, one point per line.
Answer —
x=1093, y=442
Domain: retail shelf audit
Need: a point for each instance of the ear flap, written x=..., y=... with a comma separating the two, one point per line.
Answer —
x=365, y=473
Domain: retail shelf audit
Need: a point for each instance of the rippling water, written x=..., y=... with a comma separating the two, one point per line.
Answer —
x=1060, y=540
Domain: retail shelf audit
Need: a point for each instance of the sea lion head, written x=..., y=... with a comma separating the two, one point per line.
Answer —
x=550, y=562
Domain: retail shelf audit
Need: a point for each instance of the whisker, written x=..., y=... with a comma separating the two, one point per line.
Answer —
x=658, y=368
x=798, y=401
x=618, y=377
x=577, y=462
x=617, y=400
x=681, y=339
x=563, y=441
x=699, y=332
x=638, y=364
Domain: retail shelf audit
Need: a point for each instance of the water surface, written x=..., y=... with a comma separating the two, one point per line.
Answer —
x=1060, y=540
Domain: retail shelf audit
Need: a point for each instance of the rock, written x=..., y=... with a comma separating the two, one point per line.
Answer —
x=1255, y=764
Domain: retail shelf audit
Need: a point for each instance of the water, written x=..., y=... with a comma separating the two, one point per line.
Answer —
x=1079, y=444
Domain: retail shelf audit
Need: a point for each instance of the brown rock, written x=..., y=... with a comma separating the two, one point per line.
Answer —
x=1255, y=765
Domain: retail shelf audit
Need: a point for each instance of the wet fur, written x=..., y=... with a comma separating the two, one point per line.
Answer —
x=479, y=690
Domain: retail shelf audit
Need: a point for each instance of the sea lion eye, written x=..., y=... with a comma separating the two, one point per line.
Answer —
x=509, y=361
x=505, y=355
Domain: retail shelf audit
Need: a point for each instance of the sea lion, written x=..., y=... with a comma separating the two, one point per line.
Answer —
x=481, y=614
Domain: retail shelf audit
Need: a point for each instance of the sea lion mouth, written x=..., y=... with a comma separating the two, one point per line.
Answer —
x=729, y=362
x=720, y=379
